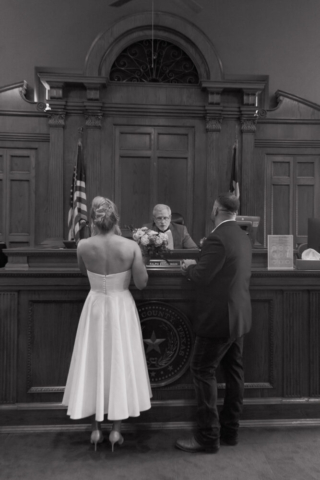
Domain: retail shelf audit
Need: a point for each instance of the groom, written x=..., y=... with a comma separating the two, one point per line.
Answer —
x=221, y=278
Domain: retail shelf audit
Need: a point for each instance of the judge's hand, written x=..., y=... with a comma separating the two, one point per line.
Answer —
x=185, y=264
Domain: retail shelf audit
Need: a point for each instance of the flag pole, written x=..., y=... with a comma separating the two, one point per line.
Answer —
x=80, y=135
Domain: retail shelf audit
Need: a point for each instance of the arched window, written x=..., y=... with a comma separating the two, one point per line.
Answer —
x=156, y=61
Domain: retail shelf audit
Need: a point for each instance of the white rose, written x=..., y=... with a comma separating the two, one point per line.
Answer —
x=158, y=241
x=163, y=236
x=145, y=240
x=135, y=236
x=152, y=232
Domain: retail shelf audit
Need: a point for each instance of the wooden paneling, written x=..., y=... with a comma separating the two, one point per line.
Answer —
x=8, y=346
x=292, y=192
x=259, y=345
x=52, y=327
x=2, y=197
x=153, y=165
x=40, y=314
x=17, y=192
x=307, y=183
x=295, y=346
x=280, y=194
x=172, y=185
x=135, y=190
x=314, y=340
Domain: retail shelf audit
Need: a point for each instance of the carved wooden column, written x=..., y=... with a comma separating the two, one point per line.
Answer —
x=55, y=176
x=93, y=116
x=93, y=154
x=248, y=129
x=213, y=127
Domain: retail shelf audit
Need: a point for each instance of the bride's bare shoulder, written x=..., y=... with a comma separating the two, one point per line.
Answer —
x=127, y=242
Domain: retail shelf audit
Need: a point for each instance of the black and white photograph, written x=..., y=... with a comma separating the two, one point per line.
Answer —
x=159, y=239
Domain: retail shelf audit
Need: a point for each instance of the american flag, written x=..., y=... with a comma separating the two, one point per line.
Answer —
x=234, y=181
x=77, y=216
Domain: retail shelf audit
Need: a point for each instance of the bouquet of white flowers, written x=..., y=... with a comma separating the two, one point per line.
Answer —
x=152, y=244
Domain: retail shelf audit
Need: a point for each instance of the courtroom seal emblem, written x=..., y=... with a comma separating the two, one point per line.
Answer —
x=168, y=340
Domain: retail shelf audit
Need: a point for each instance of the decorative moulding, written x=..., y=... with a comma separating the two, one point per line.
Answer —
x=22, y=90
x=213, y=124
x=173, y=28
x=292, y=107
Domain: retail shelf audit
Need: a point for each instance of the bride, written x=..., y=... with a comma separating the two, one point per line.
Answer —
x=108, y=372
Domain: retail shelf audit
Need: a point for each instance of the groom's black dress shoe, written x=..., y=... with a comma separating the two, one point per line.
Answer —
x=228, y=439
x=191, y=445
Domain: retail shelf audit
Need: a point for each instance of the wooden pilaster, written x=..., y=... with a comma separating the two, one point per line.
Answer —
x=55, y=175
x=93, y=150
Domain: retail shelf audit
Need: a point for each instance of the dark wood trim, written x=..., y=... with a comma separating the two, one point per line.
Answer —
x=24, y=137
x=8, y=346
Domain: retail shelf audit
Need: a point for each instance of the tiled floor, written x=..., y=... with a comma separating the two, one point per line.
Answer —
x=262, y=454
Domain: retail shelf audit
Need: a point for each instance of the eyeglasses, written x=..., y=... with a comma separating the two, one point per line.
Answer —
x=162, y=218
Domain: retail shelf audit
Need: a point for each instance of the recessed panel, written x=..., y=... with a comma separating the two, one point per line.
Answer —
x=281, y=209
x=135, y=191
x=258, y=345
x=2, y=206
x=20, y=164
x=172, y=184
x=172, y=142
x=19, y=207
x=52, y=328
x=305, y=169
x=18, y=244
x=281, y=169
x=1, y=163
x=305, y=208
x=135, y=141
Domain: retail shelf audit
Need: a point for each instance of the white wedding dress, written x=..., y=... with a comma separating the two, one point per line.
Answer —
x=108, y=372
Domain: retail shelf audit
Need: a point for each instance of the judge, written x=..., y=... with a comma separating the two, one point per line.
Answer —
x=178, y=236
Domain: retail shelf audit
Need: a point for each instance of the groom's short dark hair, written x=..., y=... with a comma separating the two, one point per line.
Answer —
x=229, y=202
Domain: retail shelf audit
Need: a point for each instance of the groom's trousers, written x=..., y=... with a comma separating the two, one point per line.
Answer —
x=208, y=354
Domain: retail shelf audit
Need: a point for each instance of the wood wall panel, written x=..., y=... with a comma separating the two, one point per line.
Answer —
x=19, y=218
x=259, y=345
x=292, y=193
x=55, y=177
x=2, y=209
x=296, y=363
x=134, y=191
x=153, y=165
x=52, y=327
x=173, y=184
x=17, y=194
x=305, y=195
x=93, y=158
x=8, y=346
x=314, y=340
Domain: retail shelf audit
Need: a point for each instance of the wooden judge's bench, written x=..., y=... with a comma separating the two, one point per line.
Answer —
x=41, y=296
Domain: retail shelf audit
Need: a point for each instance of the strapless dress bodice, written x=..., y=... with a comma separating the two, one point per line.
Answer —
x=106, y=284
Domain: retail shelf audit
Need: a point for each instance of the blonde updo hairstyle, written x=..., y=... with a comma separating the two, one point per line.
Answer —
x=104, y=215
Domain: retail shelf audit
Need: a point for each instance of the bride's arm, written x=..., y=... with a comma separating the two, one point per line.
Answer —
x=81, y=264
x=139, y=271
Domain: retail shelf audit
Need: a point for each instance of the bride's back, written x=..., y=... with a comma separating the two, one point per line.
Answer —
x=106, y=252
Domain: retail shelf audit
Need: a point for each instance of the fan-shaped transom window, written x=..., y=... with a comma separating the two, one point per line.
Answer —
x=154, y=61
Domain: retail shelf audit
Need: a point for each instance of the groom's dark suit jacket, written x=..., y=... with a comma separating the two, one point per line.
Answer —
x=222, y=277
